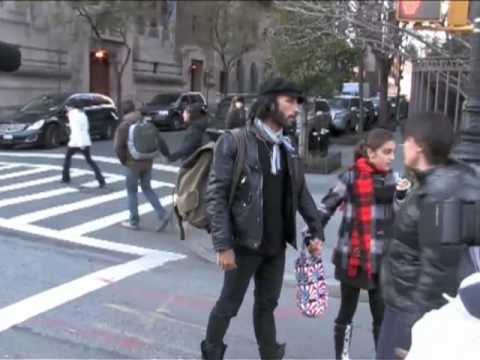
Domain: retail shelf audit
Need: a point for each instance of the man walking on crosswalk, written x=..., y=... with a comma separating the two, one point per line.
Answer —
x=138, y=171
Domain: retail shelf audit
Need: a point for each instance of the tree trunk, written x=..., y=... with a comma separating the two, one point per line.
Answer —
x=119, y=95
x=361, y=68
x=397, y=99
x=384, y=71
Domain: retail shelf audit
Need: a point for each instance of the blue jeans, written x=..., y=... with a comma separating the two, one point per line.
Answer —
x=144, y=177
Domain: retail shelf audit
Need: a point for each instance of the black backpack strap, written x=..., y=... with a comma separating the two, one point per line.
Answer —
x=239, y=135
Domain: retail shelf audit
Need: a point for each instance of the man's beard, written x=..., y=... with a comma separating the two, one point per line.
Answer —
x=281, y=119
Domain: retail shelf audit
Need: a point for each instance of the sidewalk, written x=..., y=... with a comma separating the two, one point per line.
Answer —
x=199, y=242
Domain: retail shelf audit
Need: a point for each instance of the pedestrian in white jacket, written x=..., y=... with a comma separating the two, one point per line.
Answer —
x=79, y=142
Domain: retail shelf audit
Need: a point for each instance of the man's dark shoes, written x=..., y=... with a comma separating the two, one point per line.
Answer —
x=275, y=352
x=212, y=351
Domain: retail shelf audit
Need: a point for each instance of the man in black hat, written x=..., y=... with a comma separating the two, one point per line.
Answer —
x=251, y=234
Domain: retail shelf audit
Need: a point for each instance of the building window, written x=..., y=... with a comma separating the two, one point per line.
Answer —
x=153, y=28
x=194, y=23
x=140, y=24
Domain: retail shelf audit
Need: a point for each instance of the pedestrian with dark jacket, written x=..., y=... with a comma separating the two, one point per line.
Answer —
x=251, y=236
x=365, y=194
x=237, y=115
x=419, y=267
x=138, y=171
x=196, y=119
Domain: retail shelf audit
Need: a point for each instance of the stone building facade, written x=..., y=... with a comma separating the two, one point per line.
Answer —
x=170, y=52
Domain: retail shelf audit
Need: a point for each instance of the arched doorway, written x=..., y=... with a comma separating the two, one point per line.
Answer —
x=253, y=78
x=240, y=76
x=100, y=72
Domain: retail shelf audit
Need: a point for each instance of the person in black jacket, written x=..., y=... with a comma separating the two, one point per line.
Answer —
x=251, y=236
x=418, y=267
x=237, y=115
x=195, y=116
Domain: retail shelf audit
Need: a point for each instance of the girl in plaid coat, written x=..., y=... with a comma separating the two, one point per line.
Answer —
x=365, y=195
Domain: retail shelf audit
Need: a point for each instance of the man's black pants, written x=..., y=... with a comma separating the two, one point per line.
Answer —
x=86, y=153
x=267, y=272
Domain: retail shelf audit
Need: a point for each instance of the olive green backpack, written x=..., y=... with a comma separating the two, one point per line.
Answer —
x=191, y=188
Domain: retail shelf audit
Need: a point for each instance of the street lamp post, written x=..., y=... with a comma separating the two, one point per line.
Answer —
x=468, y=149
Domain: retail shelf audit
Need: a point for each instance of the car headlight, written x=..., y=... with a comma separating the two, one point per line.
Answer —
x=163, y=112
x=36, y=125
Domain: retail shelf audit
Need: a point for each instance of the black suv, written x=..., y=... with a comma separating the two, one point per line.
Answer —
x=165, y=110
x=43, y=120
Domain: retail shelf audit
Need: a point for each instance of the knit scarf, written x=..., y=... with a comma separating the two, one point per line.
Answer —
x=276, y=139
x=364, y=199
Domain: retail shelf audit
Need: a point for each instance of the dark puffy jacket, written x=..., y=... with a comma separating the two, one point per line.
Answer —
x=193, y=140
x=243, y=224
x=417, y=268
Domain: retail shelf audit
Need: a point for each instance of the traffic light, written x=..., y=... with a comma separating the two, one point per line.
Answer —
x=458, y=13
x=418, y=10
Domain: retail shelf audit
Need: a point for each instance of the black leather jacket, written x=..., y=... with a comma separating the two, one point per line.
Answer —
x=417, y=268
x=242, y=225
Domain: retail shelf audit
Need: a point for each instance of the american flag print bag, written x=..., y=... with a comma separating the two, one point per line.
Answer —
x=312, y=291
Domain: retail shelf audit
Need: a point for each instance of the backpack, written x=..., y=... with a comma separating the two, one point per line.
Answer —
x=191, y=187
x=143, y=140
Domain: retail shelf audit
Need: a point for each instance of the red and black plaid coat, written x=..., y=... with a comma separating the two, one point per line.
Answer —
x=343, y=196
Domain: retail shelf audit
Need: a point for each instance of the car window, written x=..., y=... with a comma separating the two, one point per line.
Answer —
x=355, y=103
x=197, y=99
x=339, y=103
x=43, y=103
x=164, y=99
x=321, y=106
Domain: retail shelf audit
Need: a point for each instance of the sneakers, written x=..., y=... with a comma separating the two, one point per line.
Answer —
x=163, y=223
x=129, y=225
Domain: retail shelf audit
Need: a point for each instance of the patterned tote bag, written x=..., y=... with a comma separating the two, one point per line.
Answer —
x=312, y=291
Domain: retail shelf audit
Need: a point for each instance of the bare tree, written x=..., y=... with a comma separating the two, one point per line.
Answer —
x=234, y=32
x=109, y=18
x=363, y=23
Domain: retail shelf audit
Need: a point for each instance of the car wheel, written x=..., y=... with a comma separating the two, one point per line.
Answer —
x=52, y=137
x=177, y=122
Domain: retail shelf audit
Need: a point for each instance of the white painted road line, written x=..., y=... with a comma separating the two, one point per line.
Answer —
x=37, y=196
x=24, y=173
x=104, y=159
x=113, y=219
x=6, y=166
x=79, y=240
x=37, y=304
x=31, y=183
x=63, y=209
x=108, y=180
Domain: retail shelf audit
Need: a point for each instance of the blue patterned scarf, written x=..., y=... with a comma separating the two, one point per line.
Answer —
x=276, y=139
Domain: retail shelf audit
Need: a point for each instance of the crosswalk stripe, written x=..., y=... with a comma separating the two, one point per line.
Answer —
x=6, y=166
x=36, y=196
x=31, y=183
x=23, y=173
x=63, y=209
x=105, y=159
x=112, y=219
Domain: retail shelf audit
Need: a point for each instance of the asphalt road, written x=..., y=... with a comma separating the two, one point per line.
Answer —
x=77, y=285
